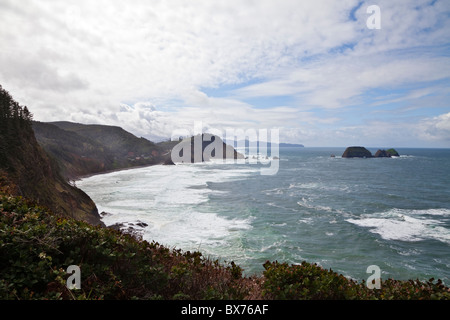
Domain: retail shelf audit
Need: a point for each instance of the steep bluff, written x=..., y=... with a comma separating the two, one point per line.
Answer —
x=82, y=149
x=31, y=172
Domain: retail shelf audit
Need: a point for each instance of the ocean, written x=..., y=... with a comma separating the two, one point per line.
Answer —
x=343, y=214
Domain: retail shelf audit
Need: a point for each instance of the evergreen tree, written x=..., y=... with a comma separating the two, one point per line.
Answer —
x=15, y=123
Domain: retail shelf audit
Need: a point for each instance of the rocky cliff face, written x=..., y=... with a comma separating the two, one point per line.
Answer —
x=32, y=173
x=382, y=154
x=386, y=153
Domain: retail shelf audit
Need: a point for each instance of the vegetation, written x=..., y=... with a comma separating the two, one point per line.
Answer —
x=81, y=149
x=31, y=171
x=13, y=118
x=392, y=152
x=311, y=282
x=37, y=246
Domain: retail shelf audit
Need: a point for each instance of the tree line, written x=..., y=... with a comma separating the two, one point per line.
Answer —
x=15, y=126
x=12, y=110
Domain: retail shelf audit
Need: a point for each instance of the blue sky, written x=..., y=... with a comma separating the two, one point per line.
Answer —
x=312, y=69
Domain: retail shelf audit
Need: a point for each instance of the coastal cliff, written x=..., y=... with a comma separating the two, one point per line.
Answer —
x=81, y=149
x=28, y=171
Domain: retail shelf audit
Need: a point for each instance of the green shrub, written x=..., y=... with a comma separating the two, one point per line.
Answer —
x=311, y=282
x=306, y=282
x=37, y=246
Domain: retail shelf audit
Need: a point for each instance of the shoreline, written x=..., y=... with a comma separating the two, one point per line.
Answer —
x=125, y=227
x=78, y=178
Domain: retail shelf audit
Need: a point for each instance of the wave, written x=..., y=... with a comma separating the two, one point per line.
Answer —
x=169, y=200
x=409, y=225
x=305, y=203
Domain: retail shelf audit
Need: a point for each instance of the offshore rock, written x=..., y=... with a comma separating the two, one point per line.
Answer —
x=393, y=152
x=356, y=152
x=386, y=153
x=382, y=154
x=136, y=230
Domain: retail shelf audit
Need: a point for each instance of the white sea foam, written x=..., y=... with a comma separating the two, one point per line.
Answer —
x=406, y=225
x=306, y=204
x=306, y=220
x=166, y=199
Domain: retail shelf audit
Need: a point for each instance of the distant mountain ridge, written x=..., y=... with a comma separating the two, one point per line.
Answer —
x=269, y=144
x=84, y=149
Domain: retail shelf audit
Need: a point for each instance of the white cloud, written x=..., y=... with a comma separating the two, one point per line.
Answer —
x=435, y=129
x=145, y=65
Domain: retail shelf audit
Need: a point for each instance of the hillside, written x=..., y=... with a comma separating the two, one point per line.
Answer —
x=37, y=247
x=27, y=170
x=118, y=141
x=75, y=154
x=212, y=148
x=268, y=145
x=82, y=149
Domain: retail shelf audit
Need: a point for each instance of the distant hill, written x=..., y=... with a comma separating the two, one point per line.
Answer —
x=211, y=147
x=117, y=140
x=269, y=144
x=27, y=170
x=290, y=145
x=82, y=149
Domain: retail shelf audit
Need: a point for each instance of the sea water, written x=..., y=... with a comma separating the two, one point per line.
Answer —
x=343, y=214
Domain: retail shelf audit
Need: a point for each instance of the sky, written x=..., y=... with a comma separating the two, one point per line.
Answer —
x=323, y=72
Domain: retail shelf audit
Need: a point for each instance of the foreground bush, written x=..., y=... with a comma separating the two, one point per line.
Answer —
x=37, y=246
x=311, y=282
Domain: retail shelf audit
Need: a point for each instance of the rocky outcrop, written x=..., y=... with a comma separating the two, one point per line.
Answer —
x=361, y=152
x=204, y=147
x=356, y=152
x=386, y=153
x=393, y=152
x=382, y=154
x=134, y=229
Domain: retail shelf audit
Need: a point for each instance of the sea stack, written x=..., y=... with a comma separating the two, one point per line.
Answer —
x=386, y=153
x=356, y=152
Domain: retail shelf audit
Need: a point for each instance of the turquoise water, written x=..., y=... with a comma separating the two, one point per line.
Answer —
x=344, y=214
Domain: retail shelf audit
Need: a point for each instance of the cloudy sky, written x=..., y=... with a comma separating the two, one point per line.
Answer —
x=312, y=69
